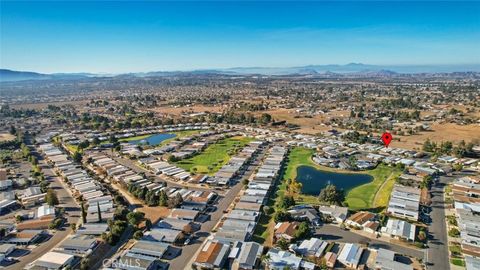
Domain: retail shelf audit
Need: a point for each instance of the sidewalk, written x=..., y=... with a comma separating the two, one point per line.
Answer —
x=451, y=212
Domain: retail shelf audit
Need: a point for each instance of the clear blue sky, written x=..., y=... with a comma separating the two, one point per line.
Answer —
x=115, y=37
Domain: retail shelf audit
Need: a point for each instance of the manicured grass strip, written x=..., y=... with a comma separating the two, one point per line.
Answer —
x=456, y=249
x=458, y=262
x=72, y=148
x=307, y=199
x=383, y=194
x=362, y=197
x=215, y=156
x=262, y=232
x=297, y=157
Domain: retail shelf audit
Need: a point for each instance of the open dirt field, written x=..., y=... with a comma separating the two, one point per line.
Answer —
x=4, y=137
x=40, y=106
x=154, y=213
x=441, y=132
x=307, y=125
x=177, y=111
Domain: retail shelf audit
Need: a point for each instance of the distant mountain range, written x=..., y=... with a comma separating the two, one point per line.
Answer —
x=7, y=75
x=357, y=68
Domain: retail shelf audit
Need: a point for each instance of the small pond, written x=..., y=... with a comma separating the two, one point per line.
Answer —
x=314, y=180
x=154, y=139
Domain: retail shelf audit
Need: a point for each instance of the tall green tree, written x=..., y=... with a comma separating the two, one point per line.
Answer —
x=77, y=157
x=134, y=218
x=163, y=198
x=331, y=195
x=303, y=231
x=51, y=197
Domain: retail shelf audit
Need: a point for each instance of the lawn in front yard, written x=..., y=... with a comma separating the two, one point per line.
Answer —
x=214, y=156
x=458, y=262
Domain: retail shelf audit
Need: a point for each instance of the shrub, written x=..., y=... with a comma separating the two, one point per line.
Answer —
x=138, y=235
x=452, y=220
x=453, y=232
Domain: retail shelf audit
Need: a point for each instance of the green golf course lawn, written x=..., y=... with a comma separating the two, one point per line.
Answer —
x=214, y=156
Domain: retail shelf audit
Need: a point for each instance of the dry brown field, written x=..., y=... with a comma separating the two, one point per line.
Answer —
x=40, y=106
x=177, y=111
x=4, y=137
x=307, y=125
x=440, y=132
x=154, y=213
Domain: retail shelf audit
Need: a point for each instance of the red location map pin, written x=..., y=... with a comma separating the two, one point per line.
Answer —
x=386, y=138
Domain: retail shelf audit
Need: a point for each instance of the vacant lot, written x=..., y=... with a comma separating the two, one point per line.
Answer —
x=215, y=156
x=309, y=124
x=154, y=213
x=5, y=137
x=41, y=106
x=177, y=111
x=440, y=132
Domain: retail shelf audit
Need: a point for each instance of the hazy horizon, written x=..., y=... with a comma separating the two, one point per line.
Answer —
x=475, y=67
x=124, y=37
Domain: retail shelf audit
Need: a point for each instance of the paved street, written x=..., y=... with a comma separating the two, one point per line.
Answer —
x=188, y=252
x=334, y=233
x=72, y=212
x=437, y=254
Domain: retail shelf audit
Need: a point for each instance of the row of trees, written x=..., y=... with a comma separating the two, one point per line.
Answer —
x=124, y=218
x=116, y=229
x=462, y=149
x=152, y=198
x=6, y=111
x=232, y=117
x=287, y=200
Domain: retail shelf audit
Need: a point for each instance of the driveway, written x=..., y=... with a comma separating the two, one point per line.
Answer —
x=333, y=233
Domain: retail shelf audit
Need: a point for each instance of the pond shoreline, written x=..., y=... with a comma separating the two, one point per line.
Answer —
x=313, y=179
x=153, y=139
x=360, y=197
